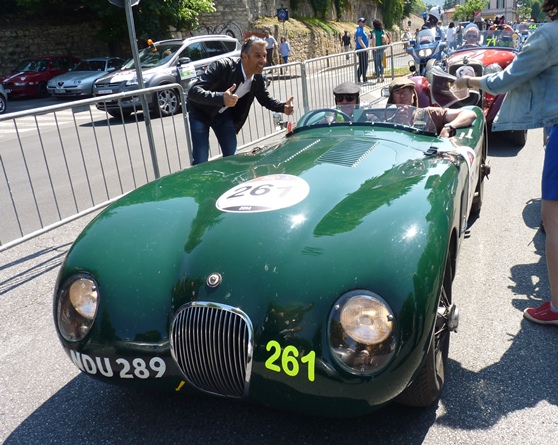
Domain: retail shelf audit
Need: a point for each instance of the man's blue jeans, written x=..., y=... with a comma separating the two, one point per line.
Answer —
x=223, y=127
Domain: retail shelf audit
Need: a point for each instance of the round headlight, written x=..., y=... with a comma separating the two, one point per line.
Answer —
x=83, y=296
x=493, y=68
x=425, y=52
x=366, y=320
x=362, y=332
x=76, y=308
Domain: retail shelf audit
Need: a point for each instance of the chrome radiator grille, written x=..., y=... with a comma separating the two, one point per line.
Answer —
x=212, y=344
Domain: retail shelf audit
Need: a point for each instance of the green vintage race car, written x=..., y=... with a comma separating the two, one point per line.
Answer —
x=313, y=275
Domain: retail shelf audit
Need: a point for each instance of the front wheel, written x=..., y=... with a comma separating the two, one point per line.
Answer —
x=42, y=89
x=484, y=171
x=517, y=137
x=168, y=102
x=427, y=386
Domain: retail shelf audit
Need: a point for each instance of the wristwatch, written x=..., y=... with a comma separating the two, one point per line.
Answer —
x=451, y=129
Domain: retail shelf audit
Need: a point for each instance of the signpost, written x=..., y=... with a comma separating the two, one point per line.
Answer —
x=127, y=5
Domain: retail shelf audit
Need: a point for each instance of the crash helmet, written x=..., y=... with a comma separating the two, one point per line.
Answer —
x=437, y=12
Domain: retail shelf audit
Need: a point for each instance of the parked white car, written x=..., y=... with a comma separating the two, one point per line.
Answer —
x=162, y=63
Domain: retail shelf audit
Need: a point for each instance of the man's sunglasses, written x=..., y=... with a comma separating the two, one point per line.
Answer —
x=470, y=35
x=347, y=97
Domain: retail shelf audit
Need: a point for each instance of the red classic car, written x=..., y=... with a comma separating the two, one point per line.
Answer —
x=30, y=76
x=493, y=52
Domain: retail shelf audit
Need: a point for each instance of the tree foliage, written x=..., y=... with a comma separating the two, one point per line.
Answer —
x=467, y=11
x=392, y=11
x=152, y=18
x=537, y=12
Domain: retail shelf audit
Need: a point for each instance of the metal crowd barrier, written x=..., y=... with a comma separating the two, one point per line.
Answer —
x=60, y=162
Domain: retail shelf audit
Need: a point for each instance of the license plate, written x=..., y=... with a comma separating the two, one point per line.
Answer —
x=59, y=91
x=104, y=92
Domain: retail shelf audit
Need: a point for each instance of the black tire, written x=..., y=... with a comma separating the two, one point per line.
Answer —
x=42, y=89
x=168, y=102
x=428, y=385
x=517, y=137
x=121, y=115
x=3, y=106
x=484, y=170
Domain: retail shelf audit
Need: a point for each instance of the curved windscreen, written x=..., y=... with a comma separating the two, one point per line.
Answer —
x=405, y=117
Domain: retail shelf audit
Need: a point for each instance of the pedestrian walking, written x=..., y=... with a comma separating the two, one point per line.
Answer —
x=346, y=39
x=285, y=49
x=271, y=44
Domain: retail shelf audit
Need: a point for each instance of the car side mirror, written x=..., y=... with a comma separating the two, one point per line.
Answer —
x=385, y=92
x=184, y=60
x=111, y=69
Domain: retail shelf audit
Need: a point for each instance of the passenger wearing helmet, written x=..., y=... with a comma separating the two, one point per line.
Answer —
x=471, y=36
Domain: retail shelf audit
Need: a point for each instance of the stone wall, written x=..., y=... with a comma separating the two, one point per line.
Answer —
x=243, y=17
x=22, y=40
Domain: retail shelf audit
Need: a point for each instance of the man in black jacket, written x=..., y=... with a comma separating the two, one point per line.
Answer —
x=221, y=99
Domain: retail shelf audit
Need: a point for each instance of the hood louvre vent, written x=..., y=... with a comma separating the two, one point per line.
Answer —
x=295, y=148
x=347, y=153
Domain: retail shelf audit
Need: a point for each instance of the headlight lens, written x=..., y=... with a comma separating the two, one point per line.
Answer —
x=425, y=52
x=493, y=68
x=78, y=300
x=362, y=332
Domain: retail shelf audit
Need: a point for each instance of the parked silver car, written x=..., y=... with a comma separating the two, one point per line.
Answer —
x=164, y=62
x=79, y=81
x=3, y=99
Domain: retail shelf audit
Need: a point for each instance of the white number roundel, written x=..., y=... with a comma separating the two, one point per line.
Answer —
x=264, y=194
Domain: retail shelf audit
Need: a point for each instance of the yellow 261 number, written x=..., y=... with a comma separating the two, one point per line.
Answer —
x=288, y=359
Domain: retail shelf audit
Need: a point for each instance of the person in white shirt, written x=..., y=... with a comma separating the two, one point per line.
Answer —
x=450, y=36
x=271, y=45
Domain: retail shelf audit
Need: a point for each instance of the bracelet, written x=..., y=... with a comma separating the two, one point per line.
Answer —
x=467, y=82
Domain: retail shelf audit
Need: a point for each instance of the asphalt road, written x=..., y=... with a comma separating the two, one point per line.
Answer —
x=501, y=384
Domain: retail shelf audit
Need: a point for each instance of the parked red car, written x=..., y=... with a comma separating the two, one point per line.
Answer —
x=30, y=76
x=496, y=49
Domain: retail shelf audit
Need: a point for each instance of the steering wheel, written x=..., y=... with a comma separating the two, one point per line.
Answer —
x=306, y=118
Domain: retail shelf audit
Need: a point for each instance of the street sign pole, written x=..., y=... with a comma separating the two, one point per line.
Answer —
x=127, y=5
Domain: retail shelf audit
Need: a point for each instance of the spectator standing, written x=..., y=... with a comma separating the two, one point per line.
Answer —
x=532, y=102
x=346, y=39
x=379, y=38
x=285, y=49
x=361, y=42
x=214, y=101
x=271, y=45
x=450, y=35
x=458, y=34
